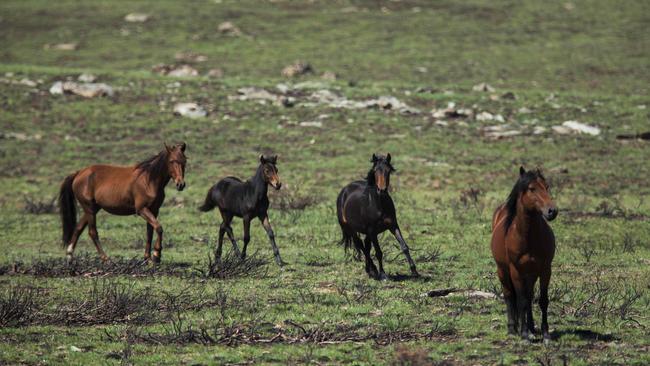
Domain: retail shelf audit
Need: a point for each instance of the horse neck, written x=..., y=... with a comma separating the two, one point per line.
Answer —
x=160, y=180
x=260, y=188
x=523, y=220
x=370, y=178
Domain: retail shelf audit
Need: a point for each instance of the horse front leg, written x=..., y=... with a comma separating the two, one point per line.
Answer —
x=247, y=235
x=269, y=232
x=544, y=280
x=151, y=219
x=405, y=249
x=370, y=265
x=520, y=285
x=147, y=245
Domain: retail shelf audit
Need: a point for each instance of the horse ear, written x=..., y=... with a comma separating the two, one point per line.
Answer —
x=522, y=171
x=274, y=159
x=388, y=157
x=182, y=146
x=374, y=158
x=167, y=147
x=262, y=160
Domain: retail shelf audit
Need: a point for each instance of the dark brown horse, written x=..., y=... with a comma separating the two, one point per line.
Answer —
x=365, y=207
x=247, y=200
x=523, y=246
x=138, y=189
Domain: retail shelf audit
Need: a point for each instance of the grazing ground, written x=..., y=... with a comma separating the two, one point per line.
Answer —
x=547, y=62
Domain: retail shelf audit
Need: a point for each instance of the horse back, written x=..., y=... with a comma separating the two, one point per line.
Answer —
x=110, y=187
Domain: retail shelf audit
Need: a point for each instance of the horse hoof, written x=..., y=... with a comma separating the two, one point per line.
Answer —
x=69, y=258
x=547, y=341
x=383, y=277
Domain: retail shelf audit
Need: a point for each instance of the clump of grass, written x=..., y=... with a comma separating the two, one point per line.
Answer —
x=232, y=266
x=17, y=305
x=38, y=207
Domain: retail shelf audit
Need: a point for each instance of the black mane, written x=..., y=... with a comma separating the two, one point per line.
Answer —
x=155, y=165
x=520, y=187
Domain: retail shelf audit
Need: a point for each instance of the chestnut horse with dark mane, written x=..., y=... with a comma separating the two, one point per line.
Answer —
x=138, y=189
x=523, y=246
x=365, y=207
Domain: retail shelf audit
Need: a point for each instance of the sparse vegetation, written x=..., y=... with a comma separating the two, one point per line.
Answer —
x=545, y=63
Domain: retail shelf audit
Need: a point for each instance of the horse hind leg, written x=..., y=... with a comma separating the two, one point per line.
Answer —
x=380, y=258
x=92, y=232
x=227, y=219
x=81, y=225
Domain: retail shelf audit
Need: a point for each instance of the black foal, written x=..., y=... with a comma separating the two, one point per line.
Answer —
x=247, y=200
x=366, y=207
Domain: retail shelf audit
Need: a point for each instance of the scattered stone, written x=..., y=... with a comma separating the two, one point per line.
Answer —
x=87, y=78
x=75, y=349
x=190, y=110
x=318, y=124
x=561, y=130
x=20, y=136
x=229, y=28
x=500, y=131
x=449, y=292
x=483, y=87
x=263, y=95
x=451, y=112
x=215, y=73
x=175, y=70
x=189, y=56
x=62, y=46
x=329, y=76
x=524, y=110
x=538, y=130
x=23, y=81
x=298, y=68
x=86, y=90
x=137, y=17
x=487, y=116
x=580, y=128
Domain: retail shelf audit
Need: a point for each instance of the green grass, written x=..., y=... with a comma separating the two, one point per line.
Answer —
x=593, y=59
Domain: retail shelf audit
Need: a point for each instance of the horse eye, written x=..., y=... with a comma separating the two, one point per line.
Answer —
x=532, y=189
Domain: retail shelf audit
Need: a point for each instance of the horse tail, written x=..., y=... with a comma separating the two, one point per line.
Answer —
x=67, y=208
x=209, y=203
x=348, y=242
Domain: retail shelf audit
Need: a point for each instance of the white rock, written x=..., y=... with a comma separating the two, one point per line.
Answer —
x=483, y=87
x=318, y=124
x=87, y=78
x=87, y=90
x=581, y=128
x=183, y=71
x=137, y=17
x=190, y=110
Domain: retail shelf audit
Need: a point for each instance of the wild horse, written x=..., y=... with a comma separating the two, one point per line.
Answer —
x=523, y=246
x=365, y=207
x=138, y=189
x=247, y=200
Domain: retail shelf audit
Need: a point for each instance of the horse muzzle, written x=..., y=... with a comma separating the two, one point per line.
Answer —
x=550, y=213
x=277, y=186
x=180, y=186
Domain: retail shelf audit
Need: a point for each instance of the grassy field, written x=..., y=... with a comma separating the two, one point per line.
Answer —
x=551, y=62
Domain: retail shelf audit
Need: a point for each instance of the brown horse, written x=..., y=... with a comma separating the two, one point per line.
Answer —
x=138, y=189
x=523, y=246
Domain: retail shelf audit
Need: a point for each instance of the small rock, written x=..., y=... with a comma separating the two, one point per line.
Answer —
x=487, y=116
x=229, y=28
x=509, y=96
x=183, y=71
x=75, y=349
x=215, y=73
x=318, y=124
x=296, y=69
x=62, y=46
x=137, y=17
x=523, y=110
x=86, y=90
x=483, y=87
x=190, y=57
x=190, y=110
x=329, y=76
x=581, y=128
x=87, y=78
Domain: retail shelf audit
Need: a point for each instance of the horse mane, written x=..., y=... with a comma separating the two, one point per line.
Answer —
x=519, y=187
x=154, y=165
